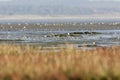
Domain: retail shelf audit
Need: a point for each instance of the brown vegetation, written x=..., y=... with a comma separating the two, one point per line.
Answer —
x=29, y=63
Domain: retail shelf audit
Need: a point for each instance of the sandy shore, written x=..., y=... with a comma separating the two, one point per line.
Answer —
x=34, y=17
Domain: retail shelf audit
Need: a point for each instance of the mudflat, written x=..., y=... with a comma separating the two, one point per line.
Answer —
x=62, y=26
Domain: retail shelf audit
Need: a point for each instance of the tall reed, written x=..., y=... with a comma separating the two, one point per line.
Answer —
x=68, y=63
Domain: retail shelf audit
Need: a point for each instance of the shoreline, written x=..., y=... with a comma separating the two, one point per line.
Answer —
x=59, y=17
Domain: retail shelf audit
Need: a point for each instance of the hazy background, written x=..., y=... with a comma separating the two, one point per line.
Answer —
x=60, y=7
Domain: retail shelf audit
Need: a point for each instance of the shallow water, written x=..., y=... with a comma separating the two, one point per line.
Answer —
x=57, y=34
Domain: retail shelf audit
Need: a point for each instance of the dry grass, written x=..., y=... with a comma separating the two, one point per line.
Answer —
x=29, y=63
